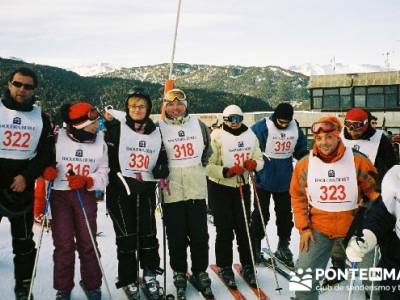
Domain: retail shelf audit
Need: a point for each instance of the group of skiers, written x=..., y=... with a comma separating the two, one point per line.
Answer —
x=133, y=159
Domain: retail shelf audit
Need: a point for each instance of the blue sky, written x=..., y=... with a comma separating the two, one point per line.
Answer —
x=219, y=32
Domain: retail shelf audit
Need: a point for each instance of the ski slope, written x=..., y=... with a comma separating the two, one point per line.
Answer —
x=43, y=288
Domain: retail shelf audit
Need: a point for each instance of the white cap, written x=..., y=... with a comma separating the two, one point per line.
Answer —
x=232, y=110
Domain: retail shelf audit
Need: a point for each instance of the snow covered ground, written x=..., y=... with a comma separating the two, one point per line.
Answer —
x=43, y=288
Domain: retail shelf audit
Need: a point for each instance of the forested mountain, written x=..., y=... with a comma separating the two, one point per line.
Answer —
x=272, y=84
x=57, y=85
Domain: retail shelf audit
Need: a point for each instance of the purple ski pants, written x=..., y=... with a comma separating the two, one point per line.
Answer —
x=69, y=233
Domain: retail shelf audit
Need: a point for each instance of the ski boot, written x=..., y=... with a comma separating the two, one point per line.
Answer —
x=151, y=286
x=132, y=291
x=203, y=284
x=258, y=255
x=60, y=295
x=180, y=284
x=284, y=254
x=248, y=275
x=22, y=289
x=94, y=294
x=228, y=277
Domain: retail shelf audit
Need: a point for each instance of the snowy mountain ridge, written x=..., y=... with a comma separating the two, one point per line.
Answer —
x=104, y=68
x=339, y=68
x=92, y=69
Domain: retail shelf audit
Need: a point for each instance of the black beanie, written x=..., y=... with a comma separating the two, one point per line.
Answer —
x=284, y=111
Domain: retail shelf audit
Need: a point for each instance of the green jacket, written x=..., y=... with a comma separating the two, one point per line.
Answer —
x=215, y=167
x=189, y=183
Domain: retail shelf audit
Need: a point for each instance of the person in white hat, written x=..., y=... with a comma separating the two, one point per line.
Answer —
x=235, y=153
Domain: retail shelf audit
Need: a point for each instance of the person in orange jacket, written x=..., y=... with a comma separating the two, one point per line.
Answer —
x=325, y=193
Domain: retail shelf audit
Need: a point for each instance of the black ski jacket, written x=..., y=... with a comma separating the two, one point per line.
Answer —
x=385, y=157
x=112, y=137
x=29, y=168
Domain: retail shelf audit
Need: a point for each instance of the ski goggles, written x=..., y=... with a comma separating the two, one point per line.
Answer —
x=355, y=125
x=27, y=86
x=324, y=127
x=174, y=94
x=234, y=118
x=92, y=115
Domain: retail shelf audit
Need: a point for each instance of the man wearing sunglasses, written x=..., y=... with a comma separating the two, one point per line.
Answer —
x=360, y=135
x=327, y=187
x=281, y=140
x=26, y=148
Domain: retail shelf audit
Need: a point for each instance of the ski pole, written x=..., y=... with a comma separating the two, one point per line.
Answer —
x=257, y=200
x=48, y=194
x=371, y=296
x=140, y=179
x=79, y=196
x=161, y=202
x=354, y=265
x=239, y=182
x=174, y=41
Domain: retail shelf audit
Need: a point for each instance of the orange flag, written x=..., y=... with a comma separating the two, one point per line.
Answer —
x=169, y=85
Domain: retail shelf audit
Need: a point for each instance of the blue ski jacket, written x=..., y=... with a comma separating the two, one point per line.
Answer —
x=277, y=173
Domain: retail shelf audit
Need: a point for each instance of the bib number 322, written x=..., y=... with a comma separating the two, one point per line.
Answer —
x=16, y=139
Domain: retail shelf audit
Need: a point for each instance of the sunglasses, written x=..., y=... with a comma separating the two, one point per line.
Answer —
x=174, y=94
x=92, y=115
x=324, y=127
x=355, y=125
x=234, y=118
x=27, y=86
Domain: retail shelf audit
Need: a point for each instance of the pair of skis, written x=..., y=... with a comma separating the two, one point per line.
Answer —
x=280, y=267
x=237, y=295
x=149, y=296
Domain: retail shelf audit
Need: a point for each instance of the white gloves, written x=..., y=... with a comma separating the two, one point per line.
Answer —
x=358, y=247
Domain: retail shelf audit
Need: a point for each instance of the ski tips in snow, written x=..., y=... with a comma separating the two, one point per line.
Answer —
x=237, y=295
x=256, y=290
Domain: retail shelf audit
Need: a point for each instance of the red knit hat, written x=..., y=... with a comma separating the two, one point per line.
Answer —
x=357, y=114
x=356, y=119
x=82, y=114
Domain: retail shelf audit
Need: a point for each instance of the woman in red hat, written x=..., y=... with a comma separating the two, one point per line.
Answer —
x=82, y=168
